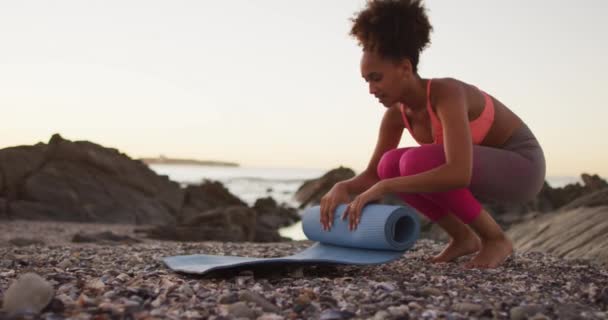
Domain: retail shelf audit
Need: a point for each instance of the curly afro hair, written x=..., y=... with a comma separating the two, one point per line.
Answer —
x=395, y=29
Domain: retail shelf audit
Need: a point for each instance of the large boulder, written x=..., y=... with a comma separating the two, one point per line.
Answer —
x=271, y=217
x=311, y=192
x=3, y=208
x=16, y=164
x=133, y=174
x=82, y=181
x=206, y=196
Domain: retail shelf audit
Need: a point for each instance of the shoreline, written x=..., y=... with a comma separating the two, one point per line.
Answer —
x=192, y=162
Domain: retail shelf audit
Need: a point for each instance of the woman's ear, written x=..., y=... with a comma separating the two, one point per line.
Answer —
x=405, y=66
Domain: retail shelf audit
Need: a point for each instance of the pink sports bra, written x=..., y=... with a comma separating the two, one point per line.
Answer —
x=479, y=127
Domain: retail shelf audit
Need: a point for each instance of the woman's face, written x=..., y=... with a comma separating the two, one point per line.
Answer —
x=387, y=80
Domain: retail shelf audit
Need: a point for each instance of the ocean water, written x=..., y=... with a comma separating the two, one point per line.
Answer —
x=252, y=183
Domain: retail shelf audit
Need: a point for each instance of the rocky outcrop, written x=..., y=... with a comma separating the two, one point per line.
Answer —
x=84, y=182
x=550, y=199
x=577, y=233
x=207, y=196
x=233, y=223
x=591, y=200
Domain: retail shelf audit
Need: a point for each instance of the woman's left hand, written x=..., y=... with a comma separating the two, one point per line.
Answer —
x=355, y=208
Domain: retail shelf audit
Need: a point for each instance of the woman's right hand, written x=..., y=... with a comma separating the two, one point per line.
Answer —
x=336, y=196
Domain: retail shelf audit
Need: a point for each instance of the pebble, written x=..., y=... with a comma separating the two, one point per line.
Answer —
x=30, y=293
x=381, y=315
x=428, y=291
x=398, y=311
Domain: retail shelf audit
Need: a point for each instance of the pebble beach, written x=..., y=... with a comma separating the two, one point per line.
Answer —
x=129, y=281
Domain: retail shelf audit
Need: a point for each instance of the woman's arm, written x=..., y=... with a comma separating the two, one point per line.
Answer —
x=390, y=133
x=456, y=172
x=391, y=130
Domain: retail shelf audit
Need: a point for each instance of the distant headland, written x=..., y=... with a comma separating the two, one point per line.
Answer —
x=165, y=160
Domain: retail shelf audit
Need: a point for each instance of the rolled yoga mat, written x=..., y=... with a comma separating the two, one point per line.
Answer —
x=384, y=233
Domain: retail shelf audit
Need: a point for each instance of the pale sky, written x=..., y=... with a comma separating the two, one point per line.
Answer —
x=277, y=83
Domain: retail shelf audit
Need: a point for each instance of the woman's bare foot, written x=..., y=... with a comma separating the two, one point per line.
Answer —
x=458, y=248
x=492, y=254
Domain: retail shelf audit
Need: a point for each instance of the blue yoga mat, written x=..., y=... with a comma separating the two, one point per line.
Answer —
x=384, y=233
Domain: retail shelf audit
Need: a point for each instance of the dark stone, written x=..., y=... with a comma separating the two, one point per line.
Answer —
x=311, y=192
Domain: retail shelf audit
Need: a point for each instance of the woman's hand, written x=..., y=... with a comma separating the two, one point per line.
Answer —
x=337, y=195
x=355, y=208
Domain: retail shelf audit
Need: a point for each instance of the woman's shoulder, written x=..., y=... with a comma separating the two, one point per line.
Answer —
x=443, y=85
x=446, y=88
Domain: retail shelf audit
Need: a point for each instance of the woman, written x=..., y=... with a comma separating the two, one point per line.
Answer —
x=471, y=145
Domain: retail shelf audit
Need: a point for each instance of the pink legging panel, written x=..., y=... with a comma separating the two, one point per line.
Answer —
x=414, y=160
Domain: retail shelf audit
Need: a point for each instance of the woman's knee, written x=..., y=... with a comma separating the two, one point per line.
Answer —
x=420, y=159
x=388, y=166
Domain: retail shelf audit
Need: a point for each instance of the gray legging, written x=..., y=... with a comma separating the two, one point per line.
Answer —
x=513, y=173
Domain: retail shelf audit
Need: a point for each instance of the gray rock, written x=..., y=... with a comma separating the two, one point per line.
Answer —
x=311, y=191
x=30, y=293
